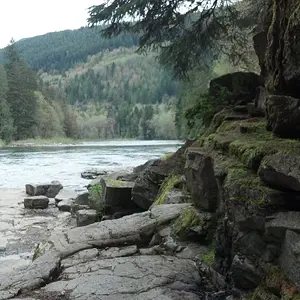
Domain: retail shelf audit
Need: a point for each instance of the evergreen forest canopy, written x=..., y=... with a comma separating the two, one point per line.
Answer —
x=79, y=84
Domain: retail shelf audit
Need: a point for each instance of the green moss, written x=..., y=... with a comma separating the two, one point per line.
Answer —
x=96, y=199
x=116, y=183
x=209, y=257
x=244, y=186
x=167, y=156
x=166, y=187
x=37, y=252
x=189, y=220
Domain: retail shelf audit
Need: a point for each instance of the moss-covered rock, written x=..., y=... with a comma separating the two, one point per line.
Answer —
x=194, y=225
x=166, y=187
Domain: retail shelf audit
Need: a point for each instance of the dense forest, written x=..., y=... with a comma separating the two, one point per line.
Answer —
x=78, y=84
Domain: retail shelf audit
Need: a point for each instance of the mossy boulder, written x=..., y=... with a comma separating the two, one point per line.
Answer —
x=237, y=88
x=194, y=225
x=168, y=188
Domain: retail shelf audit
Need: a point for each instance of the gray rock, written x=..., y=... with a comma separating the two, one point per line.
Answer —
x=130, y=278
x=244, y=274
x=82, y=198
x=240, y=87
x=118, y=252
x=283, y=115
x=65, y=205
x=76, y=207
x=36, y=202
x=65, y=194
x=93, y=173
x=142, y=168
x=279, y=223
x=86, y=217
x=289, y=259
x=116, y=195
x=54, y=189
x=80, y=257
x=281, y=171
x=201, y=181
x=37, y=189
x=135, y=229
x=175, y=196
x=48, y=189
x=37, y=274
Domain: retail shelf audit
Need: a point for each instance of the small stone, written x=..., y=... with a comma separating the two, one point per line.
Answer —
x=65, y=205
x=65, y=194
x=36, y=202
x=86, y=217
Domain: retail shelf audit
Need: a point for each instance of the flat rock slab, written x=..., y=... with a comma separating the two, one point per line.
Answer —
x=279, y=223
x=86, y=217
x=36, y=202
x=129, y=278
x=32, y=277
x=47, y=189
x=65, y=194
x=132, y=230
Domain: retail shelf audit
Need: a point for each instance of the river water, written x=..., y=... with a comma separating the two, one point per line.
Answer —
x=19, y=166
x=22, y=229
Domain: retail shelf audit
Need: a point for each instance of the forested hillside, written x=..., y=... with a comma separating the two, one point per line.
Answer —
x=62, y=50
x=88, y=87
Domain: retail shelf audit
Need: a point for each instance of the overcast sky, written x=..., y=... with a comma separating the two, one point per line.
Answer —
x=26, y=18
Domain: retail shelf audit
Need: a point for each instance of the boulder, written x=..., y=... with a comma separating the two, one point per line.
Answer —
x=76, y=207
x=86, y=217
x=65, y=205
x=281, y=171
x=235, y=88
x=36, y=202
x=244, y=274
x=65, y=194
x=201, y=181
x=48, y=189
x=283, y=115
x=54, y=189
x=279, y=223
x=116, y=195
x=147, y=184
x=289, y=259
x=93, y=174
x=142, y=168
x=82, y=198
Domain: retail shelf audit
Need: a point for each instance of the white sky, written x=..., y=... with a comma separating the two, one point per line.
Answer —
x=26, y=18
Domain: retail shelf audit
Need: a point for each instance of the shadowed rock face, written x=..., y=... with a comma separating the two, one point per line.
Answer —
x=278, y=48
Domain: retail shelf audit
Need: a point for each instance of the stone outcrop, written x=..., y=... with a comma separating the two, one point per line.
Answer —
x=93, y=174
x=49, y=190
x=36, y=202
x=201, y=181
x=116, y=195
x=281, y=171
x=235, y=88
x=283, y=114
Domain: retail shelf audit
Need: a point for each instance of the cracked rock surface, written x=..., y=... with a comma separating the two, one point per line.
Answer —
x=104, y=261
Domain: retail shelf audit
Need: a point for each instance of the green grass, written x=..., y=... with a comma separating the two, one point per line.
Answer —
x=166, y=187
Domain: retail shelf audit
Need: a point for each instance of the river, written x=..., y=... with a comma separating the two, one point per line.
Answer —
x=20, y=229
x=19, y=166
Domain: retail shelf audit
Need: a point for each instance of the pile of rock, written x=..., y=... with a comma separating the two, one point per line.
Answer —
x=39, y=194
